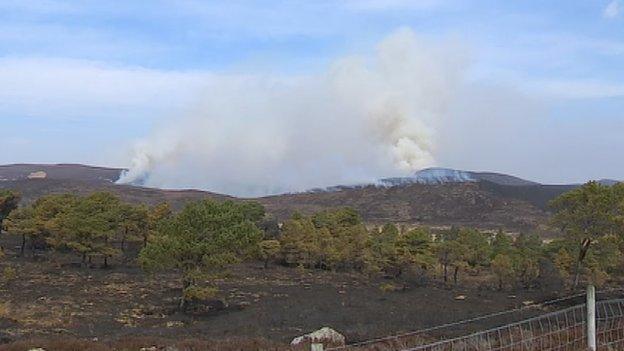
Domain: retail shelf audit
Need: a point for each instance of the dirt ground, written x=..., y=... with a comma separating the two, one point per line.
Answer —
x=52, y=297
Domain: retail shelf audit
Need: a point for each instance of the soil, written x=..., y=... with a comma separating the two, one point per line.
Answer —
x=52, y=296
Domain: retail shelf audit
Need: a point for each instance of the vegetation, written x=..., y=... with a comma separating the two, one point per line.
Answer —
x=8, y=202
x=591, y=220
x=202, y=239
x=97, y=225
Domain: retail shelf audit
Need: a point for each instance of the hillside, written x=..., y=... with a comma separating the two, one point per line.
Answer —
x=81, y=179
x=465, y=204
x=446, y=175
x=433, y=197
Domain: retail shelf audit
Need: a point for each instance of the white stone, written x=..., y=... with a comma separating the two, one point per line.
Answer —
x=325, y=335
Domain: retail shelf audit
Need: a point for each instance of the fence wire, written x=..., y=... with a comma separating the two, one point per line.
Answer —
x=562, y=330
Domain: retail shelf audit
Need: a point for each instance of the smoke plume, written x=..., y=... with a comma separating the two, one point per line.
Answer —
x=366, y=117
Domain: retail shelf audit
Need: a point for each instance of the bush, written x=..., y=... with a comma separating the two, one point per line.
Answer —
x=9, y=274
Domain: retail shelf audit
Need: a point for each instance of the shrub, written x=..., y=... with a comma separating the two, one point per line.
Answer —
x=9, y=274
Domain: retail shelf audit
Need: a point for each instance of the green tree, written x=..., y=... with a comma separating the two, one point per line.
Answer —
x=415, y=249
x=201, y=240
x=527, y=252
x=604, y=259
x=23, y=222
x=343, y=237
x=38, y=220
x=133, y=224
x=476, y=247
x=383, y=253
x=155, y=215
x=584, y=215
x=502, y=268
x=9, y=201
x=501, y=244
x=302, y=243
x=90, y=226
x=450, y=254
x=269, y=250
x=564, y=262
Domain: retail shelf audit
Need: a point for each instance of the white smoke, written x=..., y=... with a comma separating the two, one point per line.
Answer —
x=365, y=118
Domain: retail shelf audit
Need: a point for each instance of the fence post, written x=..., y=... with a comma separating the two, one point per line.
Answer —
x=591, y=318
x=316, y=347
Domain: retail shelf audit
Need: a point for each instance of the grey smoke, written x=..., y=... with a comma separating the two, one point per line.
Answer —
x=366, y=117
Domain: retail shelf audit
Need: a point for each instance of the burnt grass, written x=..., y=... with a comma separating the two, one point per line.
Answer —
x=53, y=297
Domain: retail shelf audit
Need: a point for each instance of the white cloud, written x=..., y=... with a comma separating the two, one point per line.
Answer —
x=613, y=9
x=77, y=89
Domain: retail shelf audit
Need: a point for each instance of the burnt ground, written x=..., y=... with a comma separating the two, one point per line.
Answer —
x=52, y=297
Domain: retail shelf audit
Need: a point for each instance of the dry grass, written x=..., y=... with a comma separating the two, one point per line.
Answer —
x=146, y=344
x=5, y=310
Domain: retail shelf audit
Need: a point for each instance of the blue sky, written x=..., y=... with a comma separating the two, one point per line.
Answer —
x=81, y=81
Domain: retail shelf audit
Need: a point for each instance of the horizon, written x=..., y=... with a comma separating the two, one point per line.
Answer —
x=252, y=98
x=378, y=182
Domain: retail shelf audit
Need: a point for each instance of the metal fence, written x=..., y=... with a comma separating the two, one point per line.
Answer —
x=562, y=330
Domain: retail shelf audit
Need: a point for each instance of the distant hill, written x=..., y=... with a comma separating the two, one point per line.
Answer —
x=435, y=196
x=608, y=182
x=59, y=172
x=35, y=180
x=459, y=203
x=446, y=175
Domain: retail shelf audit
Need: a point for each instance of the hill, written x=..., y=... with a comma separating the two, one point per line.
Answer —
x=436, y=196
x=446, y=175
x=463, y=204
x=34, y=180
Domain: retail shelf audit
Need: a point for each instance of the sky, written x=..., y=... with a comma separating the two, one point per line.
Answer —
x=531, y=88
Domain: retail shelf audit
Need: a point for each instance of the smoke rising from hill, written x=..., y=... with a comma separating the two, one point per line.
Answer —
x=366, y=117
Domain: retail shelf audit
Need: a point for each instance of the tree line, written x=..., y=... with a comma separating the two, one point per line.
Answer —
x=207, y=236
x=98, y=225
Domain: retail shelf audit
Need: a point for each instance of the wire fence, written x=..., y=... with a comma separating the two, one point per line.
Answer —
x=562, y=330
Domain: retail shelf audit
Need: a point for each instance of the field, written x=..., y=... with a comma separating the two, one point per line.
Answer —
x=52, y=297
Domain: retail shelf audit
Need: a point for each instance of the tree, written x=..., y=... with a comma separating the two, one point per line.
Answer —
x=450, y=253
x=564, y=262
x=302, y=243
x=383, y=253
x=604, y=258
x=476, y=247
x=269, y=249
x=38, y=220
x=201, y=240
x=343, y=237
x=502, y=268
x=90, y=226
x=585, y=214
x=502, y=244
x=414, y=249
x=155, y=215
x=133, y=224
x=525, y=257
x=23, y=222
x=9, y=201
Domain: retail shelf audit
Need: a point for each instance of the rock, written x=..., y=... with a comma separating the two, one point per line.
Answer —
x=174, y=324
x=324, y=335
x=37, y=175
x=151, y=348
x=460, y=297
